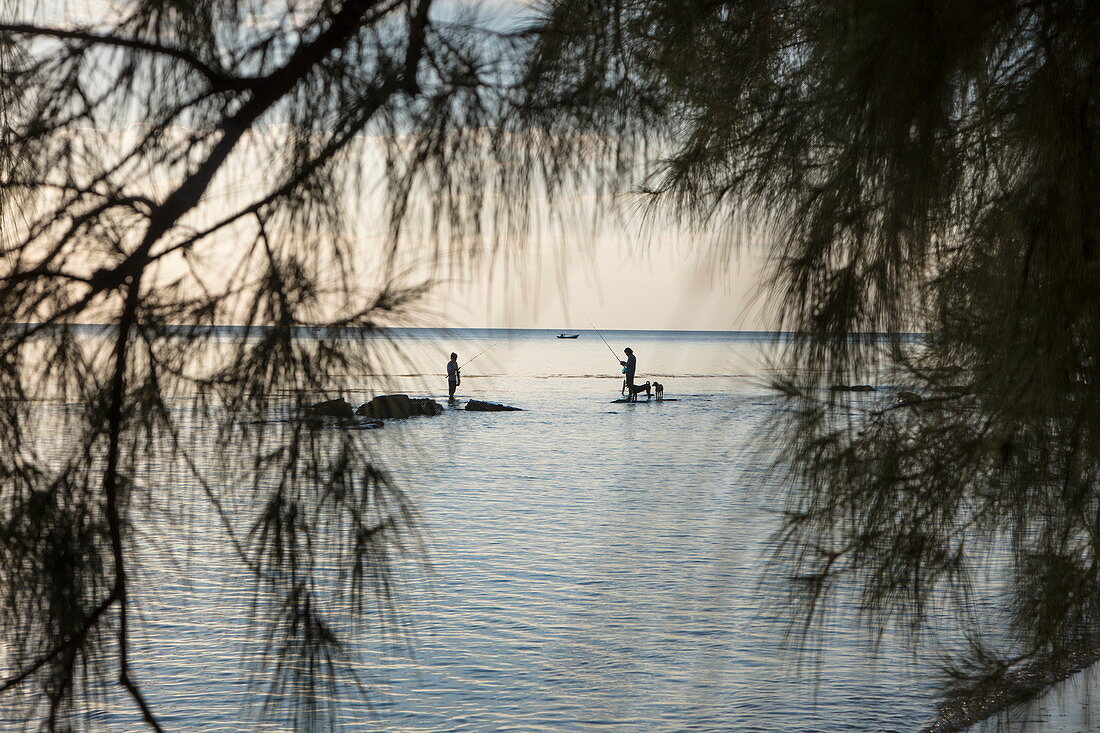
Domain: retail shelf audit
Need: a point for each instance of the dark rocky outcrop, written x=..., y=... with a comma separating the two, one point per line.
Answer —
x=398, y=406
x=852, y=388
x=479, y=406
x=331, y=408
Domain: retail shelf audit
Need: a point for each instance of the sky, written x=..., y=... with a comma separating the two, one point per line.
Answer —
x=620, y=283
x=615, y=278
x=629, y=274
x=612, y=276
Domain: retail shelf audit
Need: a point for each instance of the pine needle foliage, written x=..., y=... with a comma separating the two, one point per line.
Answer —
x=918, y=165
x=167, y=170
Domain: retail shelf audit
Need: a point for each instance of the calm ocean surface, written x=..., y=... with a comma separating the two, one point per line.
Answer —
x=593, y=566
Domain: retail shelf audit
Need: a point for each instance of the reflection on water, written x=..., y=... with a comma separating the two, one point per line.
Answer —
x=593, y=566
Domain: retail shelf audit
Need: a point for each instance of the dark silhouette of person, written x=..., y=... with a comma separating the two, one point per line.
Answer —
x=630, y=367
x=454, y=377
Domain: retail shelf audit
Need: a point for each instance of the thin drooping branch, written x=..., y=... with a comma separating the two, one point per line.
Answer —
x=70, y=644
x=106, y=206
x=112, y=487
x=219, y=80
x=338, y=143
x=343, y=25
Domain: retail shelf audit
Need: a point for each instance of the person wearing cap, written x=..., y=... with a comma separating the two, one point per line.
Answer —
x=454, y=377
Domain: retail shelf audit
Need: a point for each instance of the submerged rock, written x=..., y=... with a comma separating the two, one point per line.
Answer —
x=480, y=406
x=331, y=408
x=338, y=413
x=398, y=406
x=367, y=424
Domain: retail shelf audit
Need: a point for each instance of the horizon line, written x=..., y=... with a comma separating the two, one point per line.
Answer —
x=467, y=328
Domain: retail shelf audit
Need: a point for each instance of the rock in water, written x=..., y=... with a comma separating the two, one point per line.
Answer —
x=390, y=405
x=368, y=424
x=479, y=406
x=397, y=406
x=331, y=408
x=852, y=388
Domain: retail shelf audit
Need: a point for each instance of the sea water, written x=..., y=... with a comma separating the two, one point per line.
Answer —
x=590, y=565
x=603, y=566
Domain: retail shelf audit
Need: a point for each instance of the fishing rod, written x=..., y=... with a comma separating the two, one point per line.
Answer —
x=605, y=342
x=593, y=325
x=476, y=355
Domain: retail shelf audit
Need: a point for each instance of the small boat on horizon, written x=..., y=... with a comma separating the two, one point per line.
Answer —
x=568, y=335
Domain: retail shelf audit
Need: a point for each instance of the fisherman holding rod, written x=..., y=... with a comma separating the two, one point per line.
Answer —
x=454, y=371
x=630, y=367
x=454, y=376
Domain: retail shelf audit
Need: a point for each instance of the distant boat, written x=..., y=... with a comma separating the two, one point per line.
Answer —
x=568, y=335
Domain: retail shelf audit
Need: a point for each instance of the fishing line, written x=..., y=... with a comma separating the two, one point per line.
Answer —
x=604, y=341
x=475, y=356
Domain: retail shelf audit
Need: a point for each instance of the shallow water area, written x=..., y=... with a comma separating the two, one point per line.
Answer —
x=595, y=566
x=600, y=566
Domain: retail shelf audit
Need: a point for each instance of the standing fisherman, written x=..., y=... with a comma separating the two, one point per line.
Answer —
x=454, y=376
x=629, y=368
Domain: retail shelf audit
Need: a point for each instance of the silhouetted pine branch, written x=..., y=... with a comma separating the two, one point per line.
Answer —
x=908, y=167
x=174, y=168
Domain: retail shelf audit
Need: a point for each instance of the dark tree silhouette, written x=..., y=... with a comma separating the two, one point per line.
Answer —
x=182, y=166
x=912, y=166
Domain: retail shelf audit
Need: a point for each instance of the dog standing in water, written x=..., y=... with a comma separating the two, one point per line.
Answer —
x=659, y=391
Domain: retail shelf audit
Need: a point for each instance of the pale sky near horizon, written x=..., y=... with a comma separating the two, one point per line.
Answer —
x=618, y=279
x=620, y=285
